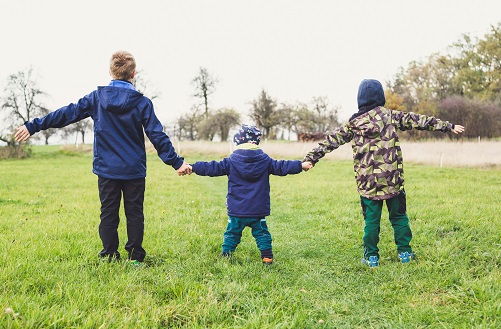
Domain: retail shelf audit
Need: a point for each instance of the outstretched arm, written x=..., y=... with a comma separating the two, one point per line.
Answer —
x=212, y=168
x=411, y=120
x=340, y=136
x=60, y=118
x=285, y=167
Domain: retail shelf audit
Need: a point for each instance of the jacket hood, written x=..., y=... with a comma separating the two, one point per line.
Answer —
x=117, y=99
x=250, y=164
x=370, y=94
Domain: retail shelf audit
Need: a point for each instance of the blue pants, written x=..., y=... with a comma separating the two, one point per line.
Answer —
x=235, y=228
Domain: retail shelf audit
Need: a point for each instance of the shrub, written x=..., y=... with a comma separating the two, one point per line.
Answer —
x=14, y=152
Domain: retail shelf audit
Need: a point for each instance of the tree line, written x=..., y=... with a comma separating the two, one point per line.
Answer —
x=463, y=86
x=23, y=100
x=276, y=120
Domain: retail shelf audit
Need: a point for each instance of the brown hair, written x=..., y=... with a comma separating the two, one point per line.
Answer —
x=122, y=65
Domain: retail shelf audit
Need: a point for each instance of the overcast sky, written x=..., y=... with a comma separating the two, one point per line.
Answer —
x=295, y=50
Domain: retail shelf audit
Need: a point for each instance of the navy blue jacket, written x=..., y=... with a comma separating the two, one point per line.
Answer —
x=120, y=113
x=248, y=174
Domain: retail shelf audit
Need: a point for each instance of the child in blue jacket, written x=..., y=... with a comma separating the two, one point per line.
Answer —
x=248, y=200
x=120, y=113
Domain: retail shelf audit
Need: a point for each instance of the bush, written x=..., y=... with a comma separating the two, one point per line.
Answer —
x=15, y=152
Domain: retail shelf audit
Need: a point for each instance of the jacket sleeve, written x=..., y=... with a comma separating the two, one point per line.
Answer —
x=340, y=136
x=154, y=130
x=212, y=168
x=64, y=116
x=285, y=167
x=410, y=120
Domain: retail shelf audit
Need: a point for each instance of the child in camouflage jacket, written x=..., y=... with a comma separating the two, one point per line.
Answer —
x=378, y=164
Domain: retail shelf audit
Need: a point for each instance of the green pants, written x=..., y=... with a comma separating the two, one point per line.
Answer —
x=234, y=230
x=371, y=210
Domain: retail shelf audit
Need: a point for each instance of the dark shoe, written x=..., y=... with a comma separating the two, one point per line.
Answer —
x=109, y=258
x=267, y=261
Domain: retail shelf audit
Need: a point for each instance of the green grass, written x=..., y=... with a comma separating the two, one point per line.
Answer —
x=51, y=278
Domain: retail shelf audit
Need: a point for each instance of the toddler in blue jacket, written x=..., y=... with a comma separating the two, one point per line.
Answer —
x=120, y=113
x=248, y=200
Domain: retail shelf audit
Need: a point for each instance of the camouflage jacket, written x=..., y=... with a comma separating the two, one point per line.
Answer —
x=377, y=156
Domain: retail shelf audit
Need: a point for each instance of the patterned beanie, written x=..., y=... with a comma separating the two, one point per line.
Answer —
x=247, y=134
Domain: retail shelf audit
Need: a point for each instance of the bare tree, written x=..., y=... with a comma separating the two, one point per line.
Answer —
x=23, y=102
x=188, y=124
x=325, y=118
x=47, y=133
x=205, y=85
x=143, y=85
x=81, y=128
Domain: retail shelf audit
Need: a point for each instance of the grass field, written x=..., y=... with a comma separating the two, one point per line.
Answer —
x=51, y=278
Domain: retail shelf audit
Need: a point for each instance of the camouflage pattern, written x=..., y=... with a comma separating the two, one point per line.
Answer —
x=377, y=156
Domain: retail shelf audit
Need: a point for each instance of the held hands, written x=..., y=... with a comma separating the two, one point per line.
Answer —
x=458, y=129
x=306, y=165
x=22, y=134
x=185, y=169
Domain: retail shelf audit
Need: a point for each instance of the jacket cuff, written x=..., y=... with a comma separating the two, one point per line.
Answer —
x=30, y=127
x=179, y=162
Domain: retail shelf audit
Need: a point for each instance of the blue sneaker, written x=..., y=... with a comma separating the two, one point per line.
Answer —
x=373, y=261
x=406, y=256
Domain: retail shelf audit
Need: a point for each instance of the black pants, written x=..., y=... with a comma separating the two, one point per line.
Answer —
x=110, y=193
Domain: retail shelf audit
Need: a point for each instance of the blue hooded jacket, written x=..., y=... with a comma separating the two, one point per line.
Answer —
x=248, y=174
x=120, y=114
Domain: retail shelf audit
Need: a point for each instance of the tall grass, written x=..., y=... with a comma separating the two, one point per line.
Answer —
x=51, y=276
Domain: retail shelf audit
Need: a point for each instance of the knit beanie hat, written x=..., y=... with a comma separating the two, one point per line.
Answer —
x=247, y=134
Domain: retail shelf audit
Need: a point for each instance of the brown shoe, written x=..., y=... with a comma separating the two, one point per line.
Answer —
x=267, y=261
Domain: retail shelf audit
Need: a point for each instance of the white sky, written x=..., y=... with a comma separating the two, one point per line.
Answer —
x=294, y=49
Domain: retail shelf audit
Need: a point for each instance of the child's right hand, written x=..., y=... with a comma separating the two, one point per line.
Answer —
x=306, y=165
x=185, y=169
